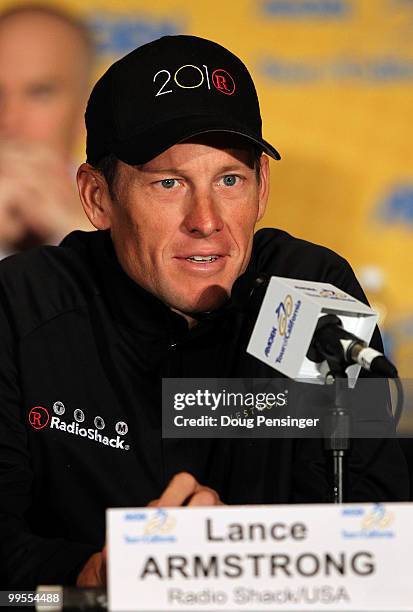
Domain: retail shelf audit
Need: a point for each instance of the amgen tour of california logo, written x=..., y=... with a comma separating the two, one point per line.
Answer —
x=287, y=312
x=283, y=312
x=158, y=526
x=377, y=518
x=374, y=523
x=39, y=418
x=333, y=293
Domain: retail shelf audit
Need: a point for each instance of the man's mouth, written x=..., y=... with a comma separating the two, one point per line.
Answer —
x=202, y=264
x=202, y=258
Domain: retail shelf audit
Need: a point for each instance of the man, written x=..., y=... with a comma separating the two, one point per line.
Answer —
x=175, y=181
x=45, y=64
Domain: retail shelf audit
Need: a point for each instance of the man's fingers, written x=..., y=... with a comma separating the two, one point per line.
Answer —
x=103, y=567
x=179, y=490
x=12, y=222
x=185, y=489
x=93, y=573
x=205, y=497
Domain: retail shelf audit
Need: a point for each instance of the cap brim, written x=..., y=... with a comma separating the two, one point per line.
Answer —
x=148, y=144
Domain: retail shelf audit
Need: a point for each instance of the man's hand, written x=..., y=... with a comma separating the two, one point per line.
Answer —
x=93, y=573
x=185, y=490
x=37, y=195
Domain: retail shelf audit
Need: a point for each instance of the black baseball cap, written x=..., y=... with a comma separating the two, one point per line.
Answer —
x=167, y=91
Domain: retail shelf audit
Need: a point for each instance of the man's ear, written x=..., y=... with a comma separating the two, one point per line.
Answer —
x=264, y=186
x=95, y=196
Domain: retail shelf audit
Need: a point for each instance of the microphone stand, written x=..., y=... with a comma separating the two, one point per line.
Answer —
x=337, y=430
x=327, y=345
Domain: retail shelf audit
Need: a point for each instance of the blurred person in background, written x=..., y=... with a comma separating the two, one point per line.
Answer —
x=46, y=57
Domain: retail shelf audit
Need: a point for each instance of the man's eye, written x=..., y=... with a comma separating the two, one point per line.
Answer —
x=230, y=180
x=168, y=183
x=42, y=90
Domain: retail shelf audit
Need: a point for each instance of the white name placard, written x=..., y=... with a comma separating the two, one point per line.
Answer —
x=301, y=557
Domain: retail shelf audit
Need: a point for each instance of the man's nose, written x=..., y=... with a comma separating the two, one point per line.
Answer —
x=203, y=216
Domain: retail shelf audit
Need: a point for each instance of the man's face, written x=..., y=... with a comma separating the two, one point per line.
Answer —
x=182, y=224
x=43, y=80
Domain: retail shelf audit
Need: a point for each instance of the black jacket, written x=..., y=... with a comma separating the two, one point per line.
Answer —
x=82, y=353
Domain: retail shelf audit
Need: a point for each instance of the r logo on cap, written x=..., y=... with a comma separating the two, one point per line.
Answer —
x=223, y=81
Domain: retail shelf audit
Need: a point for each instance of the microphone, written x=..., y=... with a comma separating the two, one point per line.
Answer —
x=303, y=327
x=332, y=342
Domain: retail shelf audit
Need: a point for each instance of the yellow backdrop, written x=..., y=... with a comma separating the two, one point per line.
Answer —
x=335, y=79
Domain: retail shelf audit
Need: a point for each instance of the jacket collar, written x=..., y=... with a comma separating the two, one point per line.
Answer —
x=130, y=304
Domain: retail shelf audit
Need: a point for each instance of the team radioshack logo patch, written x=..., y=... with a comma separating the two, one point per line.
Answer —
x=79, y=416
x=39, y=417
x=59, y=408
x=76, y=424
x=99, y=422
x=121, y=428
